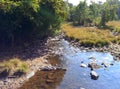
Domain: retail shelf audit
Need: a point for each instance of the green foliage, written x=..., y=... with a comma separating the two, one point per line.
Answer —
x=24, y=20
x=96, y=14
x=82, y=14
x=108, y=13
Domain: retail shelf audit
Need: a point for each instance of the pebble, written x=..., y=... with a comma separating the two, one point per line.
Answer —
x=105, y=64
x=82, y=88
x=83, y=65
x=30, y=75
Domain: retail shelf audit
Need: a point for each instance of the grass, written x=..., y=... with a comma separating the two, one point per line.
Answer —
x=118, y=39
x=14, y=65
x=114, y=25
x=89, y=36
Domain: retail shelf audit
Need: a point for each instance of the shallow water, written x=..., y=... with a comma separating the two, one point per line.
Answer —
x=77, y=77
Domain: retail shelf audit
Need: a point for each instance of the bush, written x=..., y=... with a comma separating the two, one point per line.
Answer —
x=25, y=20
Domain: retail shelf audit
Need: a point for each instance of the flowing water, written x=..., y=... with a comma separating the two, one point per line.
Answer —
x=76, y=77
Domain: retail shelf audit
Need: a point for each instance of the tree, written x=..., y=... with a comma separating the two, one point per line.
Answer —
x=94, y=12
x=108, y=12
x=24, y=20
x=81, y=13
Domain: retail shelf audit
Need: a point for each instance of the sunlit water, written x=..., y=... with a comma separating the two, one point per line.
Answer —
x=77, y=77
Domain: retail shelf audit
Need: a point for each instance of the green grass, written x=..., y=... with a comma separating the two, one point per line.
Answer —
x=89, y=36
x=14, y=65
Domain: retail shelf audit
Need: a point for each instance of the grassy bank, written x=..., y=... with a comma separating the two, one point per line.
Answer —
x=12, y=67
x=114, y=25
x=89, y=36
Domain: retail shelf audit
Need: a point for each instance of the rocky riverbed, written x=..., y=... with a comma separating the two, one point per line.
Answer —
x=37, y=58
x=113, y=49
x=36, y=55
x=13, y=82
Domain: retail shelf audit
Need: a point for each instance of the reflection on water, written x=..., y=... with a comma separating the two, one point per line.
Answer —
x=45, y=80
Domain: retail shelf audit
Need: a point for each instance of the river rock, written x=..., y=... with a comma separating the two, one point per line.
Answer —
x=92, y=58
x=82, y=88
x=83, y=65
x=49, y=81
x=94, y=65
x=47, y=68
x=94, y=75
x=30, y=75
x=105, y=64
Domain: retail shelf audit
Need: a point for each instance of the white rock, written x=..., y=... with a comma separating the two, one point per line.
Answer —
x=83, y=65
x=94, y=75
x=93, y=58
x=82, y=88
x=105, y=64
x=30, y=74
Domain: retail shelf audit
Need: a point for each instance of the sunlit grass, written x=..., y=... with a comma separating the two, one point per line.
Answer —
x=14, y=65
x=118, y=39
x=114, y=25
x=89, y=36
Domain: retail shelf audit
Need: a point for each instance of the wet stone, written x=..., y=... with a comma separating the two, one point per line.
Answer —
x=94, y=75
x=49, y=81
x=105, y=64
x=82, y=88
x=93, y=65
x=83, y=65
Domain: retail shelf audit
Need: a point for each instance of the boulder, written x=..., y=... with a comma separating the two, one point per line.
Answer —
x=94, y=75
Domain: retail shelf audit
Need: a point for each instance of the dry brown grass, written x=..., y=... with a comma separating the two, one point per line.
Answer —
x=14, y=65
x=118, y=39
x=89, y=36
x=115, y=25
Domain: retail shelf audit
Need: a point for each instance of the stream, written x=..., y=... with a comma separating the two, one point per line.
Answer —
x=75, y=76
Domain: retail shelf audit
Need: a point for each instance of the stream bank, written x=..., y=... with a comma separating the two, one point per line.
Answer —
x=35, y=55
x=66, y=50
x=80, y=67
x=113, y=49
